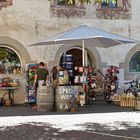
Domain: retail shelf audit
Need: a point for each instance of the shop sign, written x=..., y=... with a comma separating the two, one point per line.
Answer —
x=64, y=90
x=65, y=106
x=67, y=96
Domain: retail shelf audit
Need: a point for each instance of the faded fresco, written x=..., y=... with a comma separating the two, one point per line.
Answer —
x=5, y=3
x=102, y=9
x=63, y=8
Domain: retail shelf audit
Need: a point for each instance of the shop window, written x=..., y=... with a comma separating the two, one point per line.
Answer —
x=134, y=65
x=9, y=61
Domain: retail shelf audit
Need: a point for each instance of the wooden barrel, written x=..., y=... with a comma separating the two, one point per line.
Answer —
x=45, y=98
x=66, y=99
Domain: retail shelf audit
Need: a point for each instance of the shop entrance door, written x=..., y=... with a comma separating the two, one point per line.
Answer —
x=74, y=61
x=77, y=57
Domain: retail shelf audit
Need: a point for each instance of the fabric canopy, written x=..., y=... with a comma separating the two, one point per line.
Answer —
x=85, y=35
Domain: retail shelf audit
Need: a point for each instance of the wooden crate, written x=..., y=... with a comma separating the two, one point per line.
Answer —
x=127, y=103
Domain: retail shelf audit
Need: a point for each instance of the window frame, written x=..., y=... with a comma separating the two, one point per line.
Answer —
x=137, y=65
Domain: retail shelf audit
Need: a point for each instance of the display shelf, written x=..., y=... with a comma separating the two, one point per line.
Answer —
x=30, y=88
x=67, y=63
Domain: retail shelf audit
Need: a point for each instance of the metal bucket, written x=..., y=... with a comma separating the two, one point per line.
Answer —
x=45, y=98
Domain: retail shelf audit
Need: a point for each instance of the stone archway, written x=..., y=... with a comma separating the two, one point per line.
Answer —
x=92, y=52
x=130, y=75
x=17, y=47
x=24, y=57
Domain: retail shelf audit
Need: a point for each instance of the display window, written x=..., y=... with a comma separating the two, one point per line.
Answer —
x=9, y=61
x=134, y=65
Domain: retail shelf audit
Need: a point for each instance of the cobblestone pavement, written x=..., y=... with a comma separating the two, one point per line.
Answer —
x=97, y=107
x=42, y=131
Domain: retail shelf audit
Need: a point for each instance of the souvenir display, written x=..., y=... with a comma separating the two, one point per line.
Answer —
x=88, y=78
x=63, y=77
x=66, y=63
x=30, y=88
x=112, y=72
x=111, y=82
x=9, y=82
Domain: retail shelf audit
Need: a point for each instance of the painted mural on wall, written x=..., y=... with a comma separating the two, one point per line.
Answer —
x=5, y=3
x=68, y=8
x=112, y=9
x=102, y=9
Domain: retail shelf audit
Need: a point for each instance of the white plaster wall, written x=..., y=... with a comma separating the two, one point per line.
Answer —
x=29, y=21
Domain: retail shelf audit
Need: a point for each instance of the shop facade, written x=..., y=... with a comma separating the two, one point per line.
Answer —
x=131, y=63
x=20, y=28
x=13, y=66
